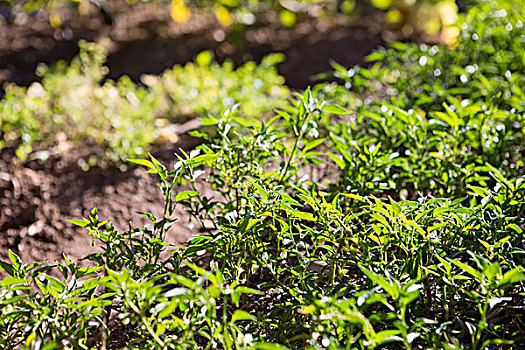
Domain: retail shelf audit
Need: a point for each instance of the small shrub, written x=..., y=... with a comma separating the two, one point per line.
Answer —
x=72, y=104
x=399, y=225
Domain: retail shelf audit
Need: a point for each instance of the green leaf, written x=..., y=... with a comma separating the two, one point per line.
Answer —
x=8, y=268
x=15, y=259
x=387, y=336
x=513, y=276
x=354, y=196
x=247, y=290
x=391, y=289
x=184, y=195
x=205, y=159
x=375, y=56
x=470, y=270
x=9, y=281
x=417, y=227
x=514, y=227
x=251, y=223
x=479, y=191
x=356, y=317
x=396, y=45
x=312, y=144
x=240, y=315
x=333, y=109
x=303, y=216
x=168, y=308
x=395, y=207
x=289, y=200
x=340, y=162
x=446, y=264
x=144, y=162
x=77, y=222
x=57, y=285
x=261, y=191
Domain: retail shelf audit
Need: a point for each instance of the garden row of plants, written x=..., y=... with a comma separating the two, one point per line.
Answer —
x=385, y=210
x=75, y=103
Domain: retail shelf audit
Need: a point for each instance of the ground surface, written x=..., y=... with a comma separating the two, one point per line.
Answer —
x=37, y=198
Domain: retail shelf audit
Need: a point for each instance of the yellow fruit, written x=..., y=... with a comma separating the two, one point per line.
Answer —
x=449, y=35
x=179, y=12
x=55, y=20
x=224, y=16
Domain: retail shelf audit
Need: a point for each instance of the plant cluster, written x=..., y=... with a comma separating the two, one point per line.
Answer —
x=482, y=59
x=444, y=110
x=74, y=103
x=204, y=87
x=399, y=225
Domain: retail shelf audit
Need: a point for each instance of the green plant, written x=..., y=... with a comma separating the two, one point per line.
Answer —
x=72, y=105
x=315, y=266
x=483, y=62
x=430, y=123
x=205, y=87
x=397, y=225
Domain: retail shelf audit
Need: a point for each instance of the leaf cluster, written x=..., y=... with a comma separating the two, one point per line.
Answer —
x=74, y=103
x=395, y=224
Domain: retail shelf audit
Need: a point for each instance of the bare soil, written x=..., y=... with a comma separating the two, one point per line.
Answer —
x=37, y=198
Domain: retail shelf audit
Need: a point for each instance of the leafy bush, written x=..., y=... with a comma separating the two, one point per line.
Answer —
x=205, y=87
x=321, y=268
x=397, y=226
x=437, y=113
x=74, y=104
x=484, y=61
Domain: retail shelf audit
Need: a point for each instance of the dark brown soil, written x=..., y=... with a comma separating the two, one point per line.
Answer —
x=37, y=198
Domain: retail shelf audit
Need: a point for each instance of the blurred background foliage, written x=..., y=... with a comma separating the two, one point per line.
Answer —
x=74, y=103
x=418, y=16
